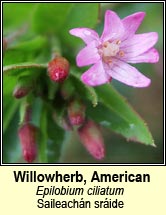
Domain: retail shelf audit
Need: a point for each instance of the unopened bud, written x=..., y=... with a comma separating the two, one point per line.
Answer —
x=27, y=135
x=23, y=87
x=58, y=69
x=76, y=112
x=91, y=137
x=20, y=92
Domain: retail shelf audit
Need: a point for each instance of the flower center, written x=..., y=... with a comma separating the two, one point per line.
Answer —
x=110, y=49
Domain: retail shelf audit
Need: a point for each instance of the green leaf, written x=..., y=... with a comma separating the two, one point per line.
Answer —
x=9, y=110
x=84, y=90
x=56, y=137
x=35, y=44
x=49, y=17
x=81, y=15
x=117, y=114
x=14, y=56
x=9, y=83
x=17, y=14
x=11, y=143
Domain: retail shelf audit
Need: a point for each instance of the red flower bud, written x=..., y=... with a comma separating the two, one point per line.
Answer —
x=20, y=92
x=27, y=135
x=58, y=69
x=91, y=137
x=23, y=87
x=76, y=112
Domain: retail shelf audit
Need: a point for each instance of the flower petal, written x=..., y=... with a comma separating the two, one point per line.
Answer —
x=86, y=34
x=138, y=44
x=131, y=23
x=127, y=74
x=151, y=56
x=95, y=75
x=113, y=27
x=88, y=55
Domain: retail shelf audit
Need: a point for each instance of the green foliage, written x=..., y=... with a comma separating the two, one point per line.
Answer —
x=28, y=54
x=84, y=90
x=81, y=15
x=50, y=17
x=43, y=136
x=8, y=109
x=16, y=15
x=116, y=114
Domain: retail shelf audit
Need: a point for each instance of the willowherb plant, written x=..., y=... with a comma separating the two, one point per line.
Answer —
x=71, y=102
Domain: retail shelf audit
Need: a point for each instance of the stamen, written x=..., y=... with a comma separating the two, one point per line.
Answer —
x=109, y=49
x=121, y=53
x=105, y=44
x=118, y=42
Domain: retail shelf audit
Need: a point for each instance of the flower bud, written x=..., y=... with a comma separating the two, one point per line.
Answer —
x=20, y=92
x=76, y=112
x=27, y=135
x=58, y=69
x=91, y=137
x=23, y=87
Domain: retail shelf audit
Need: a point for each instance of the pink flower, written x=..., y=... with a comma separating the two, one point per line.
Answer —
x=117, y=46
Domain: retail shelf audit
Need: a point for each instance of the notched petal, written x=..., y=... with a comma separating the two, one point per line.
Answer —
x=86, y=34
x=113, y=27
x=131, y=24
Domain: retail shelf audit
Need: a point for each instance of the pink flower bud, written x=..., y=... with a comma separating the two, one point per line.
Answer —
x=27, y=135
x=76, y=112
x=91, y=137
x=58, y=69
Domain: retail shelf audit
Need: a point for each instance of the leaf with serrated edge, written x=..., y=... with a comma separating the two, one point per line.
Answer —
x=133, y=127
